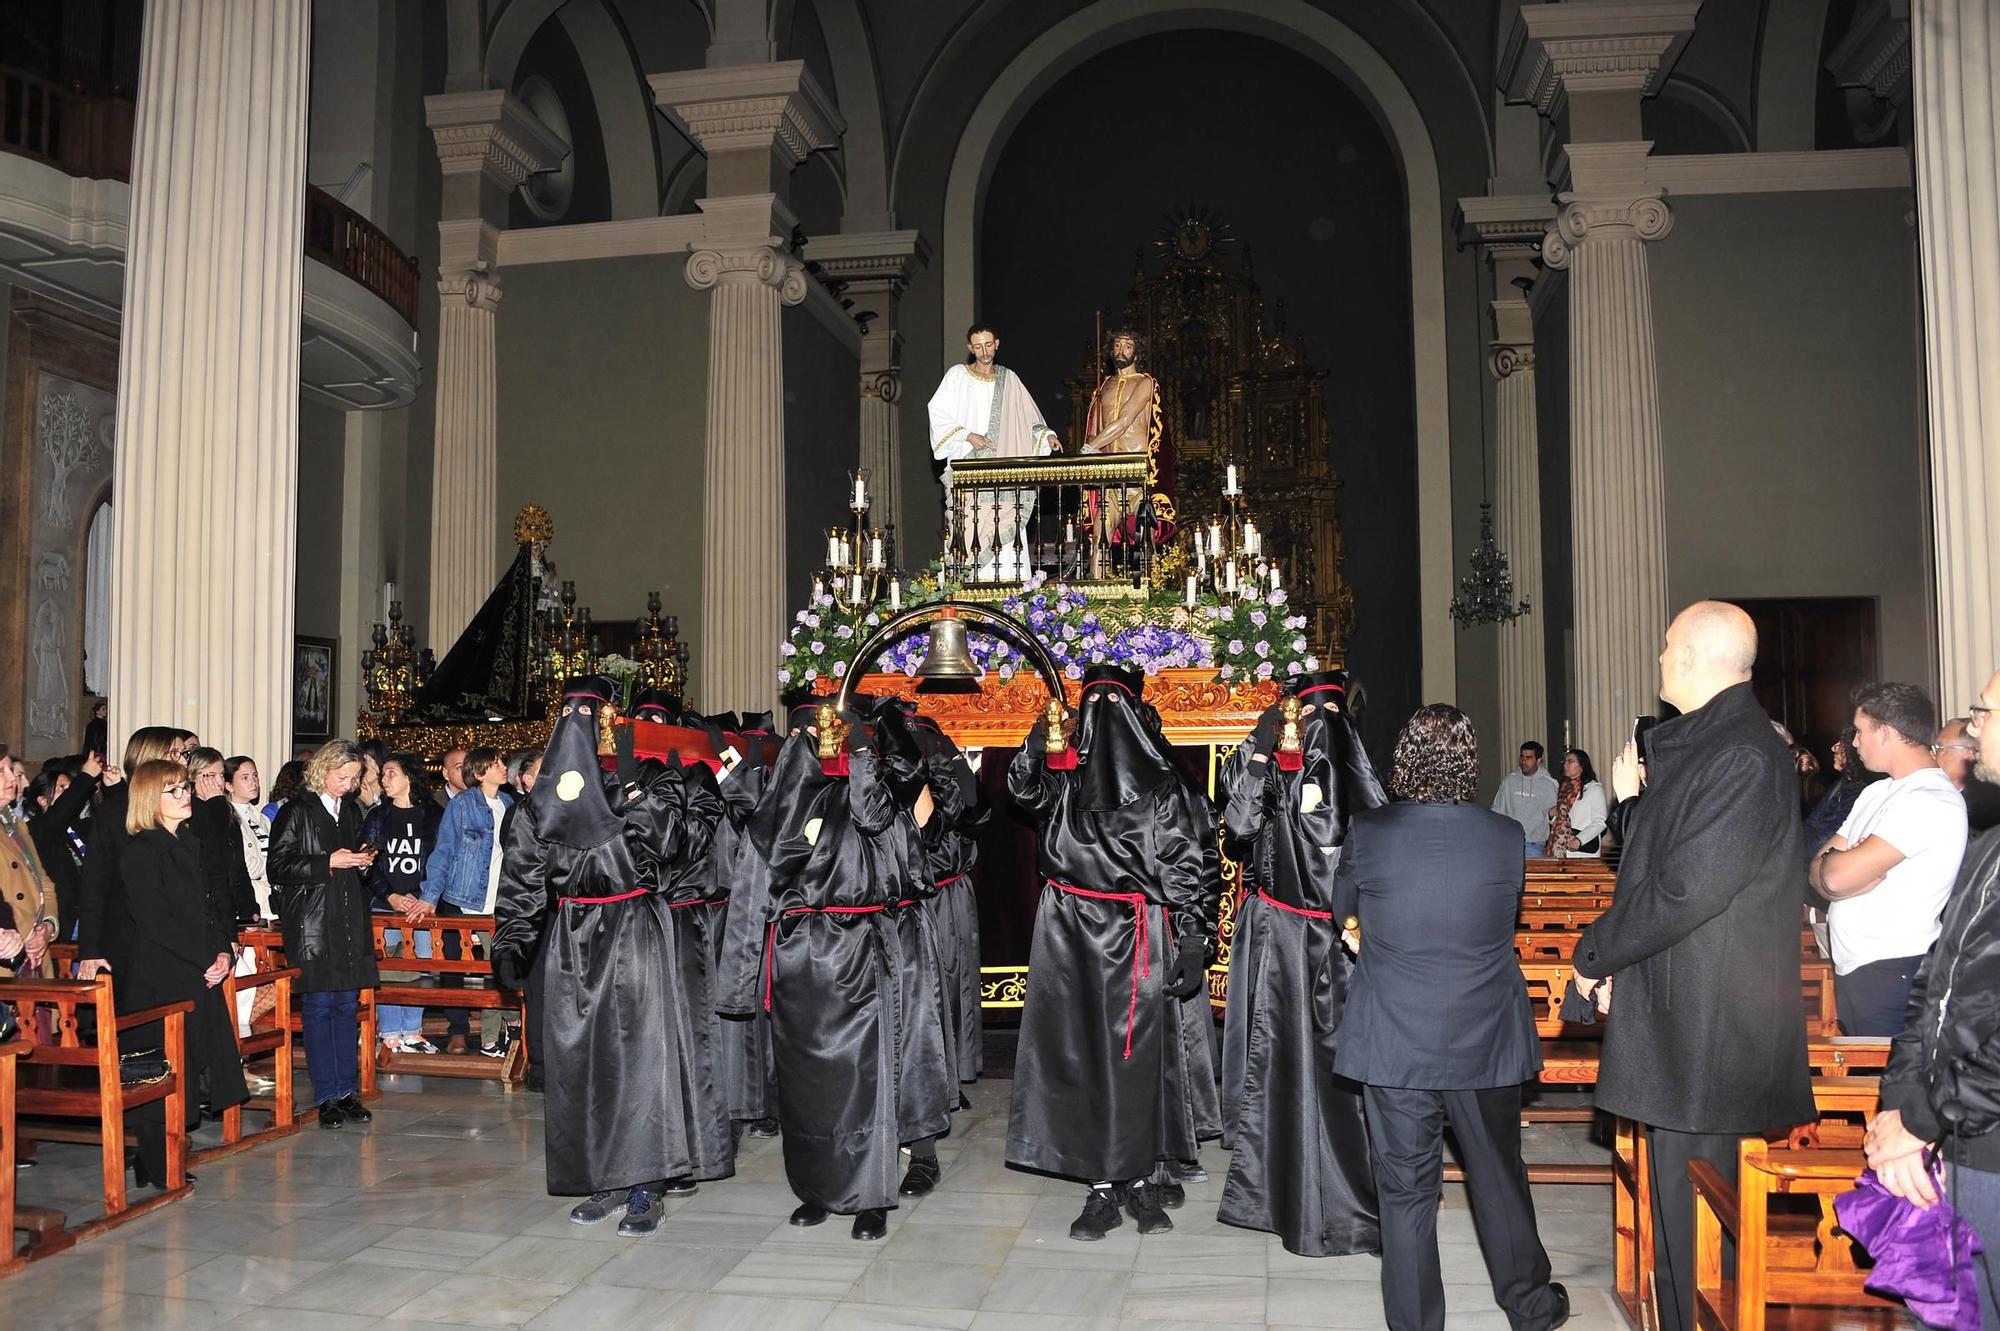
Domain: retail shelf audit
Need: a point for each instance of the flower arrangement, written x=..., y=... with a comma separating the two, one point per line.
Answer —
x=1242, y=639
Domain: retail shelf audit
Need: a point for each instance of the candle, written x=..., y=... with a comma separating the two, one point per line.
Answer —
x=875, y=551
x=854, y=591
x=833, y=550
x=895, y=595
x=1229, y=576
x=1215, y=539
x=1229, y=486
x=1249, y=538
x=1274, y=578
x=846, y=553
x=1069, y=533
x=860, y=492
x=819, y=587
x=1190, y=591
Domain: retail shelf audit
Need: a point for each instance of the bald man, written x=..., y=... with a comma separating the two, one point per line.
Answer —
x=1706, y=1041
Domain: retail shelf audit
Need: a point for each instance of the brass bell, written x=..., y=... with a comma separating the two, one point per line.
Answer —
x=948, y=666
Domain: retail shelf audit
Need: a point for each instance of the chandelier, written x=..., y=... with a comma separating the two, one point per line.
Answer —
x=860, y=562
x=1227, y=558
x=1486, y=595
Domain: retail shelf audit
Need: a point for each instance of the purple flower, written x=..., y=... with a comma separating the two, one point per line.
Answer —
x=1258, y=617
x=843, y=632
x=1298, y=644
x=811, y=621
x=786, y=649
x=799, y=618
x=1236, y=646
x=839, y=669
x=818, y=647
x=1276, y=598
x=1312, y=663
x=1263, y=670
x=811, y=674
x=1073, y=672
x=1263, y=648
x=1294, y=669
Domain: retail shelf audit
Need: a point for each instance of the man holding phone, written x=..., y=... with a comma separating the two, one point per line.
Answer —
x=1706, y=1041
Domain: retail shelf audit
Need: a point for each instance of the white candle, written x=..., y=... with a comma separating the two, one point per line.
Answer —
x=895, y=595
x=1229, y=576
x=875, y=551
x=860, y=493
x=1274, y=578
x=1249, y=538
x=1191, y=585
x=832, y=551
x=819, y=587
x=1215, y=539
x=846, y=552
x=854, y=592
x=1229, y=486
x=1069, y=533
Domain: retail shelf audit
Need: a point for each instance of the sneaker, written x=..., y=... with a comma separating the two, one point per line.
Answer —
x=1143, y=1201
x=1186, y=1171
x=762, y=1127
x=642, y=1214
x=1171, y=1194
x=499, y=1048
x=417, y=1044
x=599, y=1206
x=1100, y=1216
x=394, y=1044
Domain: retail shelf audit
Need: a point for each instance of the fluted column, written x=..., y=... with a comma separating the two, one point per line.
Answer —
x=1617, y=492
x=1957, y=65
x=1517, y=519
x=465, y=463
x=743, y=531
x=488, y=143
x=208, y=377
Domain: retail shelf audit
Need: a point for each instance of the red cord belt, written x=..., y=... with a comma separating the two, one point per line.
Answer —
x=771, y=934
x=1142, y=952
x=604, y=901
x=1296, y=910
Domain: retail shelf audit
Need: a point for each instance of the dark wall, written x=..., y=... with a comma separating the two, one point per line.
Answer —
x=1306, y=178
x=822, y=421
x=550, y=54
x=322, y=462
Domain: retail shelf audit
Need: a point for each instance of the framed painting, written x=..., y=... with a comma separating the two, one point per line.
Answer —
x=313, y=661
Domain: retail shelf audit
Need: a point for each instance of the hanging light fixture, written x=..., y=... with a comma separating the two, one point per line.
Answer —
x=1486, y=595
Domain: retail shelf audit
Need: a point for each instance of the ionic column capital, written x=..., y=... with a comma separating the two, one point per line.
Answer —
x=480, y=290
x=773, y=267
x=1504, y=358
x=1646, y=217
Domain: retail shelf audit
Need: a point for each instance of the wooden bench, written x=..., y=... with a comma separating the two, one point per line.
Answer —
x=271, y=1038
x=512, y=1069
x=74, y=1080
x=1844, y=1095
x=9, y=1052
x=268, y=946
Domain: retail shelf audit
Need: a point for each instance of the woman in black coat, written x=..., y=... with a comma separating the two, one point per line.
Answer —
x=179, y=952
x=316, y=868
x=221, y=832
x=103, y=921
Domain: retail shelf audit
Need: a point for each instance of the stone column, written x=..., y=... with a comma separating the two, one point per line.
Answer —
x=873, y=269
x=743, y=474
x=208, y=378
x=1509, y=230
x=1957, y=60
x=487, y=143
x=755, y=122
x=1588, y=67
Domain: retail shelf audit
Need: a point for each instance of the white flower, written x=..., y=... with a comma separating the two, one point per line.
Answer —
x=1298, y=644
x=812, y=621
x=1236, y=646
x=839, y=669
x=1312, y=663
x=818, y=647
x=786, y=649
x=811, y=674
x=1295, y=669
x=843, y=632
x=1263, y=670
x=799, y=618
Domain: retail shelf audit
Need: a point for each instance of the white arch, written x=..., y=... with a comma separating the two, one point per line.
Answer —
x=1340, y=49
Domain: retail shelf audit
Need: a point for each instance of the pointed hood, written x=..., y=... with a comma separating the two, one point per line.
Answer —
x=1121, y=754
x=569, y=801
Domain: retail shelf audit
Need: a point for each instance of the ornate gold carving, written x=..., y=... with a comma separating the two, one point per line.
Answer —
x=533, y=525
x=1003, y=986
x=1195, y=706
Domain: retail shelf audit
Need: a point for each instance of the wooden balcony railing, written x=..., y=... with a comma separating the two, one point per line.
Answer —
x=349, y=243
x=89, y=135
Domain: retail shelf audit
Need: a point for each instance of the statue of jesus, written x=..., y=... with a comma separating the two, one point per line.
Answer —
x=981, y=410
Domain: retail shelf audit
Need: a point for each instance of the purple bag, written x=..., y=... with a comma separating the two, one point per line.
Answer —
x=1923, y=1256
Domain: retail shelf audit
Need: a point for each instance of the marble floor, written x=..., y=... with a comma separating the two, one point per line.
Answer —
x=436, y=1213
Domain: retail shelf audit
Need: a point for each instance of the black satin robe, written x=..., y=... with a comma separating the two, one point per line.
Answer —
x=1082, y=1105
x=678, y=814
x=1299, y=1165
x=616, y=1105
x=744, y=1070
x=1236, y=786
x=951, y=849
x=815, y=944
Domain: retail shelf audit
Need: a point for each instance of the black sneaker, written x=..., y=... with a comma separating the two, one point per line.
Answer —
x=1170, y=1194
x=870, y=1225
x=642, y=1214
x=499, y=1048
x=330, y=1115
x=922, y=1176
x=353, y=1110
x=1143, y=1201
x=597, y=1207
x=1100, y=1216
x=762, y=1127
x=1186, y=1171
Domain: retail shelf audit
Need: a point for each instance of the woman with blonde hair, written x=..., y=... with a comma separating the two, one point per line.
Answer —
x=103, y=923
x=316, y=864
x=180, y=949
x=225, y=872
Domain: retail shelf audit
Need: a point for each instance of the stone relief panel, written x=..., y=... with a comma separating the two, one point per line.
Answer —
x=75, y=436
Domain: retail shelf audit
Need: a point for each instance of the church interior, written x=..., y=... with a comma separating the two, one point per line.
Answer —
x=371, y=366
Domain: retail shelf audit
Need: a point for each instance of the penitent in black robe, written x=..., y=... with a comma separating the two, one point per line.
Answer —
x=744, y=1070
x=1113, y=1075
x=616, y=1105
x=679, y=809
x=1299, y=1165
x=951, y=849
x=813, y=943
x=1238, y=782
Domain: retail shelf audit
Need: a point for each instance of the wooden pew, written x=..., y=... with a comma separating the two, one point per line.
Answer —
x=271, y=1038
x=1844, y=1095
x=72, y=1080
x=511, y=1070
x=9, y=1052
x=268, y=946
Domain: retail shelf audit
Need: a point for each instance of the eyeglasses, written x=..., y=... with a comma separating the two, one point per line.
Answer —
x=1975, y=720
x=1962, y=748
x=176, y=790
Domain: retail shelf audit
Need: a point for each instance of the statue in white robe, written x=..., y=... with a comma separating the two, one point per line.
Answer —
x=981, y=410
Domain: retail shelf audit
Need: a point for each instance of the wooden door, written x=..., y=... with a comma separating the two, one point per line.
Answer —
x=1812, y=653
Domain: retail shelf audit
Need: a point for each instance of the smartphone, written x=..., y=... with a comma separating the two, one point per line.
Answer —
x=365, y=848
x=1641, y=725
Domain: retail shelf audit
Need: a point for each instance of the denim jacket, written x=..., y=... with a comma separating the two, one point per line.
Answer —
x=456, y=874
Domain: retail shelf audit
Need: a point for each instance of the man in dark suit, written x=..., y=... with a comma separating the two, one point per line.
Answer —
x=1438, y=1026
x=1707, y=1040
